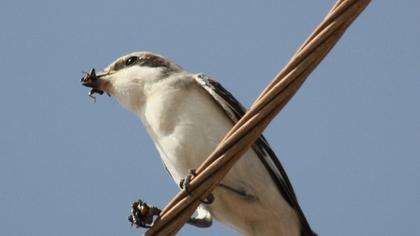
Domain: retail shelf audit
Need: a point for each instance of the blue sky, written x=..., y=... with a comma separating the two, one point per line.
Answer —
x=349, y=139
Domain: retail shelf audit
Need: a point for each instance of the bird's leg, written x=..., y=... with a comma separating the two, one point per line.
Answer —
x=143, y=215
x=185, y=183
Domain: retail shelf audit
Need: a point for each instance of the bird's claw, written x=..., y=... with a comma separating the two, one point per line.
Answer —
x=142, y=214
x=185, y=184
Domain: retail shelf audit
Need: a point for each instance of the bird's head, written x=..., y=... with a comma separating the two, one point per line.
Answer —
x=130, y=77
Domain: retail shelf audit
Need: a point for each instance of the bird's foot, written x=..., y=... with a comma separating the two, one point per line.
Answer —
x=142, y=214
x=185, y=184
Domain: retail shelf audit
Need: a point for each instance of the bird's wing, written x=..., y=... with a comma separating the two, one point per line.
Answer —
x=235, y=111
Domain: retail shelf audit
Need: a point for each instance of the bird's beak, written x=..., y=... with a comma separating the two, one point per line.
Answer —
x=95, y=81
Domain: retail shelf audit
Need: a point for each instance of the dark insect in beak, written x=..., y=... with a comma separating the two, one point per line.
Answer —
x=91, y=80
x=92, y=92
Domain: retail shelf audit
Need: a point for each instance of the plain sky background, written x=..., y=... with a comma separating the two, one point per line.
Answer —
x=349, y=139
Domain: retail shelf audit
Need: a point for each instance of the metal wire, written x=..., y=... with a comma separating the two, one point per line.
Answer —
x=247, y=130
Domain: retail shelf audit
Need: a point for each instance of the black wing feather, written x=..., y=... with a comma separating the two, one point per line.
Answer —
x=235, y=111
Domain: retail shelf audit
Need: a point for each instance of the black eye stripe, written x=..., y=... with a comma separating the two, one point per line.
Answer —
x=145, y=60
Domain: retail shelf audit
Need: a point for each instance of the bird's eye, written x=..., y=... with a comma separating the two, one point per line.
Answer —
x=131, y=60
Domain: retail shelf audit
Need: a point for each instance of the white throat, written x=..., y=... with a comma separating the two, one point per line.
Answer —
x=131, y=86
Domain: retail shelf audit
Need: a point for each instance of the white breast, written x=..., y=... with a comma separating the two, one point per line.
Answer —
x=186, y=125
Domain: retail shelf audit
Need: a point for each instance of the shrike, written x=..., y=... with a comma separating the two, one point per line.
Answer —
x=187, y=115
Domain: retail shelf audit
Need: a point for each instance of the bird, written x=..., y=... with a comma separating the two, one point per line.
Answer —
x=187, y=115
